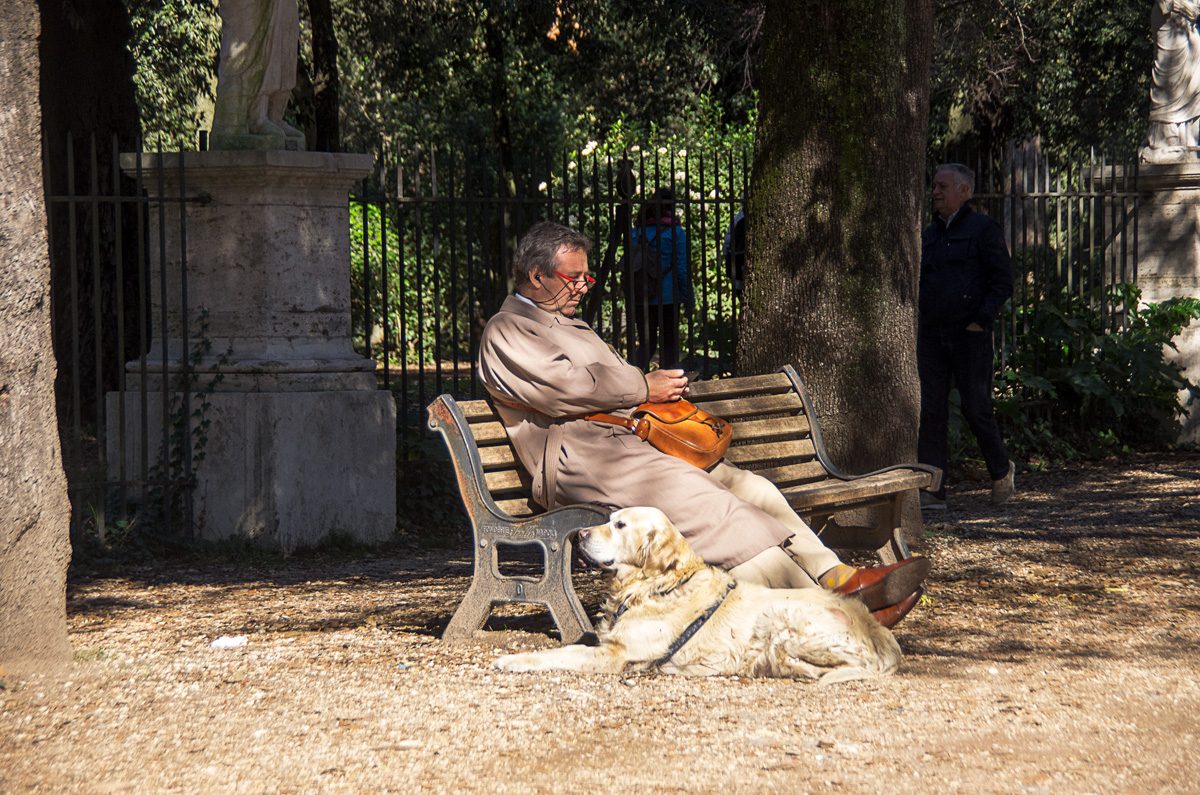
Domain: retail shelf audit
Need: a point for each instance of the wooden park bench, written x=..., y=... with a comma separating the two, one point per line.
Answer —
x=775, y=434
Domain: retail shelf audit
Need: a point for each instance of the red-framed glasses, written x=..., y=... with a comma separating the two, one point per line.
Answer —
x=584, y=280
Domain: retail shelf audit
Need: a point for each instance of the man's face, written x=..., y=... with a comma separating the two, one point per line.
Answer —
x=949, y=193
x=562, y=290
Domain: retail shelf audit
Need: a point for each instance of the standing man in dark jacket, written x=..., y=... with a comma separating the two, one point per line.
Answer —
x=966, y=276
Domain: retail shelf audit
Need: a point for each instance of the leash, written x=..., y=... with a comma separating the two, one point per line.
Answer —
x=692, y=628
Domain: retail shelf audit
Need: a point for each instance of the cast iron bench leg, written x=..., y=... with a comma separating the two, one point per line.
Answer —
x=896, y=548
x=472, y=612
x=565, y=607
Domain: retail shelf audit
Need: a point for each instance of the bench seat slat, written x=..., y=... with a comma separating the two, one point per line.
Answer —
x=751, y=454
x=833, y=491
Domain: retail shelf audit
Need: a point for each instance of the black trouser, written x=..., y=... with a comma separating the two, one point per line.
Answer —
x=650, y=318
x=966, y=358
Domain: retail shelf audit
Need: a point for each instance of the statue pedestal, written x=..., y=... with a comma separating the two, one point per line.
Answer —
x=1168, y=256
x=295, y=440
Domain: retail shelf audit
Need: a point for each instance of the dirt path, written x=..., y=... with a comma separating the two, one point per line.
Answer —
x=1057, y=652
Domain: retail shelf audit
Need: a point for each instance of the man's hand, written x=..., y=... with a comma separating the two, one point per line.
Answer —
x=665, y=385
x=974, y=327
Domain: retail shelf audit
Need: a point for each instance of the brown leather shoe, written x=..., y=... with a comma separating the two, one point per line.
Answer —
x=890, y=616
x=883, y=586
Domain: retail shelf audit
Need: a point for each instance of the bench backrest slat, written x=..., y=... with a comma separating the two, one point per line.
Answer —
x=518, y=508
x=507, y=482
x=491, y=432
x=476, y=410
x=751, y=456
x=751, y=430
x=795, y=474
x=729, y=388
x=753, y=406
x=497, y=457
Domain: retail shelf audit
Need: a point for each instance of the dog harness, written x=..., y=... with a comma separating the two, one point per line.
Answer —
x=691, y=628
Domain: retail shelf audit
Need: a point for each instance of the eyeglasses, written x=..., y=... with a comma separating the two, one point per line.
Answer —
x=583, y=280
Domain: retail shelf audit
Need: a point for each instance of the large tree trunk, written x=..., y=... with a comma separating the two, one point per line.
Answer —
x=327, y=135
x=34, y=511
x=834, y=216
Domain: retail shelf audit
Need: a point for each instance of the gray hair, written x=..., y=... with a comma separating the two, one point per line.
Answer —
x=540, y=247
x=964, y=173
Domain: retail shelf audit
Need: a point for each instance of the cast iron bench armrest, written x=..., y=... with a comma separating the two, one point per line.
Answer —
x=491, y=525
x=935, y=474
x=777, y=435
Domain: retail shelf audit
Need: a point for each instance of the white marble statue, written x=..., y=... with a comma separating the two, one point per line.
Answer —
x=1174, y=133
x=256, y=75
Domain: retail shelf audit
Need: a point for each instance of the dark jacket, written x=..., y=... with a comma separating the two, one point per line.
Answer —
x=966, y=273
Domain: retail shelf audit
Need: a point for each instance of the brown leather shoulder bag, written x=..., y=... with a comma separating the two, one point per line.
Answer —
x=678, y=428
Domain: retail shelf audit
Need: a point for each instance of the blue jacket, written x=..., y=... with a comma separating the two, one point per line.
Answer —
x=966, y=273
x=672, y=246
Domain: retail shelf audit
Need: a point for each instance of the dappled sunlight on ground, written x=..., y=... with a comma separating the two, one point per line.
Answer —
x=1055, y=651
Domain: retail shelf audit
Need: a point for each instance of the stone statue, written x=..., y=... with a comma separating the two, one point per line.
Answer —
x=1174, y=133
x=256, y=75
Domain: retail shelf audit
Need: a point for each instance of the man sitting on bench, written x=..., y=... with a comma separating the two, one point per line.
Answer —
x=544, y=368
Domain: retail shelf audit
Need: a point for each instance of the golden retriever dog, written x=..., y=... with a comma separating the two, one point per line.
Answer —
x=668, y=609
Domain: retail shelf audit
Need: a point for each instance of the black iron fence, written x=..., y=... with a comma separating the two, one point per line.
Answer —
x=431, y=246
x=125, y=459
x=433, y=238
x=1072, y=230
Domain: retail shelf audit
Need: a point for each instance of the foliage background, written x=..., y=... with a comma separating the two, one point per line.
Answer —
x=548, y=74
x=516, y=89
x=1075, y=72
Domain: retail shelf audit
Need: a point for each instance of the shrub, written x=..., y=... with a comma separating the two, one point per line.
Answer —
x=1075, y=387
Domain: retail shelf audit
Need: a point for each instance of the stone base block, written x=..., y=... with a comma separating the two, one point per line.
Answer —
x=284, y=469
x=1187, y=354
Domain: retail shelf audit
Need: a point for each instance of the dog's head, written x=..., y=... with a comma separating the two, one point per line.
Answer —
x=637, y=539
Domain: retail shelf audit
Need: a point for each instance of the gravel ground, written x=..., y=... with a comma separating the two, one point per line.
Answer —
x=1056, y=651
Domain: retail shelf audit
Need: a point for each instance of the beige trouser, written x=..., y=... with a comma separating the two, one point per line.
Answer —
x=805, y=558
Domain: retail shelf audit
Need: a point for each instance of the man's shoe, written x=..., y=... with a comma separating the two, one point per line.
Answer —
x=882, y=586
x=1003, y=488
x=890, y=616
x=931, y=502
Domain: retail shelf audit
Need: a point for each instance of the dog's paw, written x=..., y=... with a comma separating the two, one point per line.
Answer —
x=517, y=663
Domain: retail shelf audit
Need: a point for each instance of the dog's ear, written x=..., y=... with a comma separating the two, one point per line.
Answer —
x=839, y=616
x=657, y=552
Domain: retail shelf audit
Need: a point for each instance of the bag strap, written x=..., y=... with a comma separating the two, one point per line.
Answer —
x=611, y=419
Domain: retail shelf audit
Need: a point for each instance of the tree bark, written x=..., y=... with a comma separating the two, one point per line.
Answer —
x=834, y=217
x=34, y=510
x=325, y=78
x=494, y=46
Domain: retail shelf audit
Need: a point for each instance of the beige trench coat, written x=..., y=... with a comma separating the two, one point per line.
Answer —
x=561, y=368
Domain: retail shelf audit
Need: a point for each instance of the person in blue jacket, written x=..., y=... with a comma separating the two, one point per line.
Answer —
x=658, y=301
